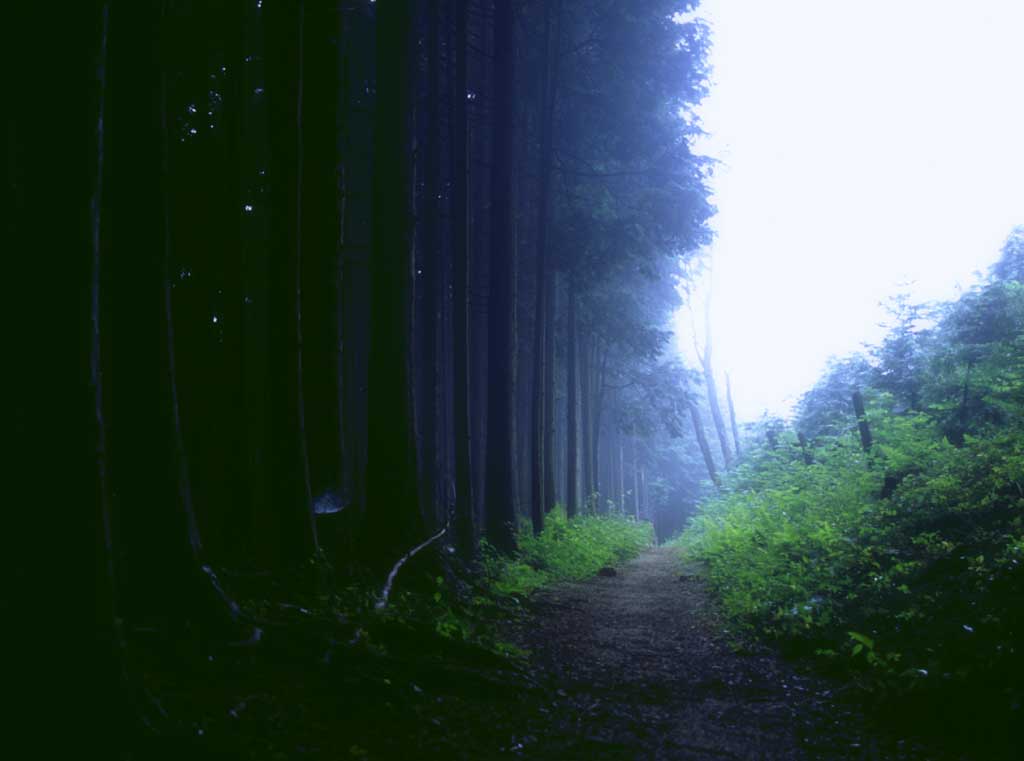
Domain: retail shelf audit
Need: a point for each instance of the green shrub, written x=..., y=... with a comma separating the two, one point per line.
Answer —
x=566, y=550
x=922, y=586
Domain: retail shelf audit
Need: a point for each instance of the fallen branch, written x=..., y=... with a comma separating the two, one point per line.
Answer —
x=386, y=592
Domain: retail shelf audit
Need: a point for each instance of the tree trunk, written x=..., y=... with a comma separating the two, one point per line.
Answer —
x=712, y=391
x=622, y=477
x=586, y=410
x=550, y=497
x=429, y=274
x=254, y=325
x=295, y=538
x=862, y=421
x=112, y=678
x=599, y=368
x=732, y=415
x=357, y=54
x=394, y=521
x=540, y=499
x=702, y=441
x=805, y=449
x=465, y=525
x=636, y=480
x=322, y=211
x=572, y=422
x=500, y=488
x=211, y=603
x=645, y=507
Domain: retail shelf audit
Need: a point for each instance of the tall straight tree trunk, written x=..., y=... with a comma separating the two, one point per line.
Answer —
x=599, y=367
x=211, y=603
x=111, y=679
x=862, y=421
x=255, y=277
x=465, y=524
x=586, y=408
x=431, y=262
x=645, y=507
x=572, y=422
x=559, y=449
x=394, y=521
x=539, y=502
x=500, y=479
x=712, y=392
x=732, y=415
x=636, y=480
x=622, y=476
x=702, y=441
x=289, y=462
x=321, y=265
x=356, y=67
x=550, y=285
x=550, y=496
x=479, y=309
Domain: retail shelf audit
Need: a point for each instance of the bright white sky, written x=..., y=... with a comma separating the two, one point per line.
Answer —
x=863, y=145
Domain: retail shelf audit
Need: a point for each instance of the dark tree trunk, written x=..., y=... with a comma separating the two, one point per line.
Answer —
x=586, y=409
x=572, y=404
x=862, y=421
x=540, y=501
x=111, y=679
x=712, y=391
x=430, y=271
x=622, y=478
x=321, y=219
x=214, y=606
x=636, y=481
x=292, y=503
x=957, y=429
x=465, y=524
x=805, y=449
x=645, y=508
x=394, y=520
x=550, y=497
x=479, y=309
x=500, y=486
x=253, y=329
x=357, y=53
x=599, y=368
x=732, y=415
x=702, y=441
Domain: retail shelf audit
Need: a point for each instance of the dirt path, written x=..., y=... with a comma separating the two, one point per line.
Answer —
x=632, y=667
x=640, y=670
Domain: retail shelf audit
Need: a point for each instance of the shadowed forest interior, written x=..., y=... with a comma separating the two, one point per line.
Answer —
x=352, y=330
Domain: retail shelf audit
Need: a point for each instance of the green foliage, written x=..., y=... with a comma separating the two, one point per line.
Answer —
x=567, y=550
x=902, y=566
x=459, y=607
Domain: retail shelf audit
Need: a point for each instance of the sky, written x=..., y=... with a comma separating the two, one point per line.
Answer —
x=866, y=148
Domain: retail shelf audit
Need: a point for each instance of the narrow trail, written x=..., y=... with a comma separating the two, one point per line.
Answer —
x=642, y=670
x=630, y=667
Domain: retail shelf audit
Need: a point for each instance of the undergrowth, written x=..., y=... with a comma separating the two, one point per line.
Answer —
x=918, y=592
x=444, y=600
x=567, y=550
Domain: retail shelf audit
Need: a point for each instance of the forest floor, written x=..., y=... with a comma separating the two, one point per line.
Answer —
x=649, y=672
x=627, y=666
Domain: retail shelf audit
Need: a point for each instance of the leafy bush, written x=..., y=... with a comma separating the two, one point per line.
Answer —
x=919, y=591
x=471, y=608
x=566, y=550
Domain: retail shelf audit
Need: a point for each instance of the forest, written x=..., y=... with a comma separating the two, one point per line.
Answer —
x=345, y=408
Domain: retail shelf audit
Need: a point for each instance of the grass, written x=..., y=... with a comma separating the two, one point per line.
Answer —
x=567, y=550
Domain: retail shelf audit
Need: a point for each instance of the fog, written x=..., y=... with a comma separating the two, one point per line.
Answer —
x=864, y=149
